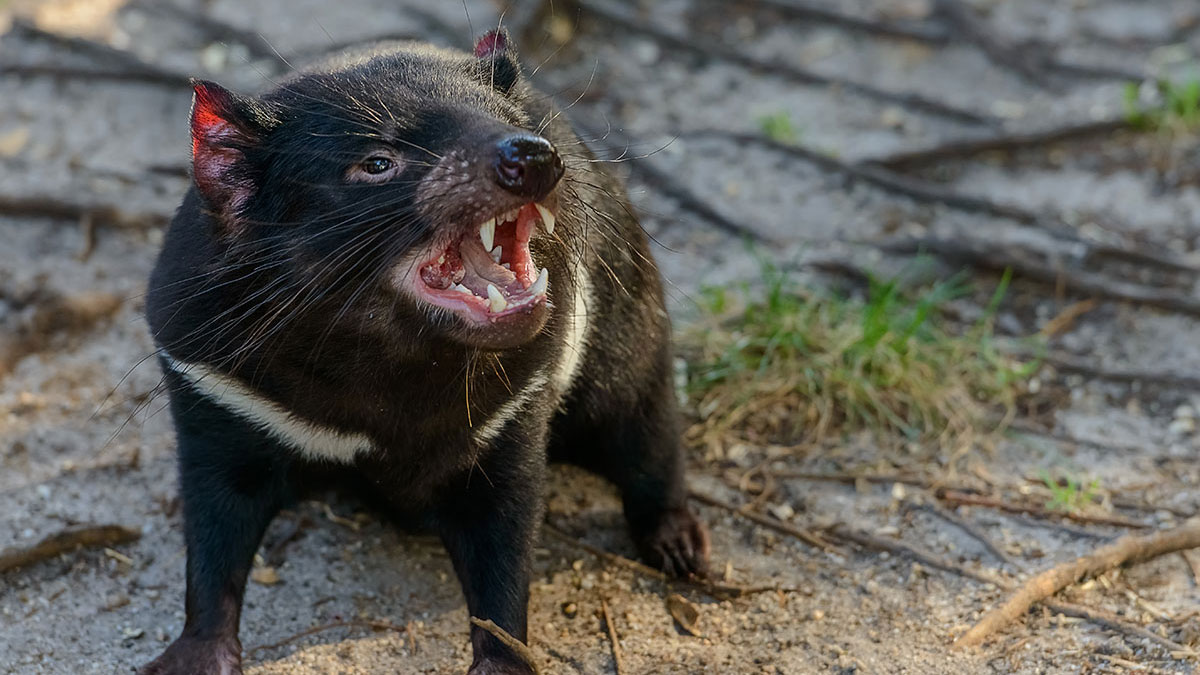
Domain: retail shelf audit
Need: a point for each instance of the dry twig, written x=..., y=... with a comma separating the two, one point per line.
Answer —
x=709, y=49
x=899, y=548
x=519, y=648
x=1002, y=142
x=89, y=536
x=1126, y=550
x=909, y=30
x=806, y=536
x=618, y=661
x=955, y=497
x=968, y=527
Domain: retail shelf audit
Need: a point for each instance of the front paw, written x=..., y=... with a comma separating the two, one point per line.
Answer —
x=677, y=544
x=192, y=656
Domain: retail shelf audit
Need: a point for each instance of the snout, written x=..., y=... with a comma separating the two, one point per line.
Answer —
x=527, y=166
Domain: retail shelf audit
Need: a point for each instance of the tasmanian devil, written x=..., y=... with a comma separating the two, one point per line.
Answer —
x=403, y=262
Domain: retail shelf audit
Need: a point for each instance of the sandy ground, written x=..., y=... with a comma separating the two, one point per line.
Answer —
x=83, y=440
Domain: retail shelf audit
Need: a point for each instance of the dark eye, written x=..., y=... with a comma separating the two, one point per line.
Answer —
x=377, y=165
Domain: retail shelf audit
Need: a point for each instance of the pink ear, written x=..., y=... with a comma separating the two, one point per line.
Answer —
x=219, y=133
x=492, y=42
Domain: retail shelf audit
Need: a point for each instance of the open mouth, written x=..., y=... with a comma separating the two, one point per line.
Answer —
x=488, y=273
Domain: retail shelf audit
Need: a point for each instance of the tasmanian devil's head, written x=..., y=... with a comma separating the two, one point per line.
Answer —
x=396, y=187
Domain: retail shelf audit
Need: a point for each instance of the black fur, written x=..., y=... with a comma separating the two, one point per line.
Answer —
x=277, y=271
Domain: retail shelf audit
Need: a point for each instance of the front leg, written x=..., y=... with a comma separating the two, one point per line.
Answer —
x=487, y=522
x=233, y=481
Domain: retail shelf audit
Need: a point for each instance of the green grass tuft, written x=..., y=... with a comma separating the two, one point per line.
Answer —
x=778, y=127
x=1176, y=106
x=794, y=364
x=1069, y=494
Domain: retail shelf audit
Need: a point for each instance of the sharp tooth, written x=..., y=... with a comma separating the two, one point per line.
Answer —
x=487, y=233
x=496, y=253
x=512, y=215
x=547, y=218
x=543, y=280
x=462, y=289
x=496, y=301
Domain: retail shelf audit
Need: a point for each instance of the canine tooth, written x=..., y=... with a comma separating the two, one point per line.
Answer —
x=496, y=301
x=462, y=289
x=547, y=218
x=496, y=253
x=543, y=280
x=487, y=233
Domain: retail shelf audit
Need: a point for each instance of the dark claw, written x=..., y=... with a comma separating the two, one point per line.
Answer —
x=678, y=546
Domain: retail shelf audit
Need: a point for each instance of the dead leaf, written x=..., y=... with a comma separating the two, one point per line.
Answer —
x=267, y=576
x=13, y=142
x=685, y=613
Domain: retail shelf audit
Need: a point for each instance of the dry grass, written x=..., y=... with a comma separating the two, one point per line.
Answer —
x=786, y=364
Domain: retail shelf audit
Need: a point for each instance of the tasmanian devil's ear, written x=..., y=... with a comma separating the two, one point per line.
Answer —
x=225, y=129
x=498, y=60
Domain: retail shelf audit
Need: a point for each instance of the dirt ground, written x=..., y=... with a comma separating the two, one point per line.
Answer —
x=83, y=440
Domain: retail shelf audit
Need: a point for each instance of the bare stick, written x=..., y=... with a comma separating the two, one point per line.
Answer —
x=899, y=548
x=618, y=662
x=955, y=497
x=1004, y=142
x=519, y=648
x=968, y=527
x=1126, y=550
x=909, y=30
x=1109, y=620
x=667, y=185
x=987, y=255
x=1026, y=62
x=216, y=30
x=806, y=536
x=90, y=536
x=120, y=58
x=350, y=623
x=102, y=214
x=707, y=48
x=715, y=589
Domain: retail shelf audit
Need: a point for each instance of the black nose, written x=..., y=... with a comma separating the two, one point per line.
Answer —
x=527, y=166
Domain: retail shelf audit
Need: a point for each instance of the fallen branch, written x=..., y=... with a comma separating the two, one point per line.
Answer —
x=707, y=48
x=669, y=187
x=215, y=30
x=349, y=623
x=955, y=497
x=903, y=550
x=618, y=661
x=969, y=28
x=101, y=214
x=1003, y=142
x=1109, y=620
x=90, y=536
x=909, y=30
x=973, y=531
x=987, y=255
x=712, y=588
x=1172, y=378
x=806, y=536
x=519, y=648
x=1126, y=550
x=120, y=59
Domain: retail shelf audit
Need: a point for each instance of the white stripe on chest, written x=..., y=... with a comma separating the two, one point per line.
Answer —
x=575, y=328
x=313, y=441
x=318, y=442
